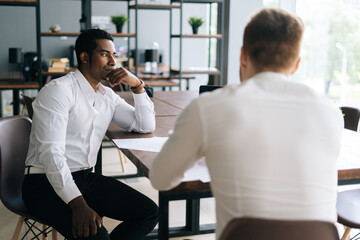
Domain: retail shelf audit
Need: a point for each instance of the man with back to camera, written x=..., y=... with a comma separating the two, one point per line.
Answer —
x=271, y=144
x=71, y=116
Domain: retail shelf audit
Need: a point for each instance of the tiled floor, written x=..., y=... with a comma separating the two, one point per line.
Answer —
x=111, y=166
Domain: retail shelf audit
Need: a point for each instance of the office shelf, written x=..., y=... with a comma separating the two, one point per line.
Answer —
x=59, y=34
x=75, y=34
x=23, y=3
x=212, y=72
x=195, y=71
x=153, y=6
x=198, y=1
x=196, y=36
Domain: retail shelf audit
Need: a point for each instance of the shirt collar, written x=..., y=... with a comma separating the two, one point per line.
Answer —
x=270, y=75
x=85, y=85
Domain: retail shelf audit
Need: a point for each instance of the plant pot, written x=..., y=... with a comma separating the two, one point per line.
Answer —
x=119, y=28
x=195, y=30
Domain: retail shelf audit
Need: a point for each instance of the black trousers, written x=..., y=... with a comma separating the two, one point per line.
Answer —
x=105, y=195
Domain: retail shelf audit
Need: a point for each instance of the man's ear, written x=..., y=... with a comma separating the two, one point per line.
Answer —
x=296, y=66
x=243, y=57
x=84, y=57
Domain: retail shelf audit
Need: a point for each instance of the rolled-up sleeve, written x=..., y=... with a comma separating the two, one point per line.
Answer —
x=140, y=118
x=51, y=114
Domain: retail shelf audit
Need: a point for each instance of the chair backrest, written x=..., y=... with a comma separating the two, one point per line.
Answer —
x=261, y=229
x=14, y=143
x=208, y=88
x=351, y=117
x=28, y=103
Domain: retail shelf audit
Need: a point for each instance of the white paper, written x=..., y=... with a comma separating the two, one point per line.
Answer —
x=350, y=150
x=153, y=144
x=198, y=172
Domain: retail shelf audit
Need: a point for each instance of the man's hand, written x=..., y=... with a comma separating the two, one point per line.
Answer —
x=85, y=221
x=121, y=75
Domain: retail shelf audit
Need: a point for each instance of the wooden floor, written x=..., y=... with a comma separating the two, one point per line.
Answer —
x=112, y=166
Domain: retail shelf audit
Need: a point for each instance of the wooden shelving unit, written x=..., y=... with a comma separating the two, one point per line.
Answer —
x=218, y=71
x=36, y=5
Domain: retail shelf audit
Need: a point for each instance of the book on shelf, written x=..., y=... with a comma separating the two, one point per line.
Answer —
x=57, y=64
x=56, y=69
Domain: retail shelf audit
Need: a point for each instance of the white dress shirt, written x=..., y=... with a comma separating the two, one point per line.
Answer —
x=271, y=146
x=69, y=122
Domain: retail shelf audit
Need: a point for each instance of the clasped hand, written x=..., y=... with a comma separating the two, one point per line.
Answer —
x=121, y=75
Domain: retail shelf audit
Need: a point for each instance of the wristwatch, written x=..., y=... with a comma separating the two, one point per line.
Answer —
x=138, y=88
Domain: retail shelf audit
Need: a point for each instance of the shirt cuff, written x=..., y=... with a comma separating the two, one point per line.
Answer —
x=69, y=193
x=141, y=98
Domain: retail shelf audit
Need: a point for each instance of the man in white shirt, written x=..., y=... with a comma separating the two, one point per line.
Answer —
x=271, y=144
x=71, y=116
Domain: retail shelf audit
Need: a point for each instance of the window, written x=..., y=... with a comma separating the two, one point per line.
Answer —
x=330, y=54
x=331, y=48
x=271, y=3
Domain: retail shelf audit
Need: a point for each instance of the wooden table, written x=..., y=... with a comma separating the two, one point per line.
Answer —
x=16, y=86
x=168, y=106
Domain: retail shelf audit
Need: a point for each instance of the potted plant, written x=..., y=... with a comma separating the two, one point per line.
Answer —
x=195, y=22
x=119, y=21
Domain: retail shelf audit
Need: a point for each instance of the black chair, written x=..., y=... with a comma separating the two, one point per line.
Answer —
x=261, y=229
x=351, y=117
x=14, y=143
x=208, y=88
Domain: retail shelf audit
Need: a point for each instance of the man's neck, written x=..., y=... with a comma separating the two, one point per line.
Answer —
x=94, y=83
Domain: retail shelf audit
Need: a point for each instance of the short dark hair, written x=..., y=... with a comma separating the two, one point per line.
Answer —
x=272, y=39
x=86, y=42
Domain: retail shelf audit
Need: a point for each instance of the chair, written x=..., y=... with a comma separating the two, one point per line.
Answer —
x=348, y=210
x=208, y=88
x=14, y=142
x=351, y=117
x=261, y=229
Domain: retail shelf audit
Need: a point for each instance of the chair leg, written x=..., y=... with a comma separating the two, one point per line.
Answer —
x=54, y=234
x=346, y=235
x=122, y=160
x=44, y=236
x=18, y=228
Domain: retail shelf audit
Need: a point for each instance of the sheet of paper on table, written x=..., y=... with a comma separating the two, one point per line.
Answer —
x=198, y=172
x=350, y=153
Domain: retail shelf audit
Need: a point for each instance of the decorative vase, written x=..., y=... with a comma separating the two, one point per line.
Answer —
x=195, y=30
x=119, y=28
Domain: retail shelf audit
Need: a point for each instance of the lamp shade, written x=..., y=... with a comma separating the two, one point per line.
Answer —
x=16, y=55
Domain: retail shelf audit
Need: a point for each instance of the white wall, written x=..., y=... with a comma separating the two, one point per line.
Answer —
x=240, y=11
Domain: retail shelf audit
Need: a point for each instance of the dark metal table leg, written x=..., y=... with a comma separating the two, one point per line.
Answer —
x=193, y=215
x=163, y=231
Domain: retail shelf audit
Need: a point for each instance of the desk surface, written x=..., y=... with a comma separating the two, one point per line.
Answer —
x=349, y=165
